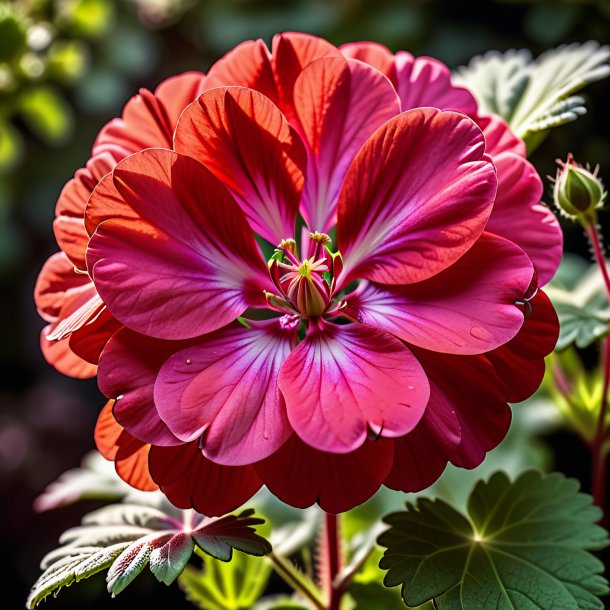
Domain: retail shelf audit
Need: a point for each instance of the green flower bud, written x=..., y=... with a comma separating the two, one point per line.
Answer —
x=578, y=192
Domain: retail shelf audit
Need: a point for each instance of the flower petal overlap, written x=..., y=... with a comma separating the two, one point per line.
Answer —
x=316, y=269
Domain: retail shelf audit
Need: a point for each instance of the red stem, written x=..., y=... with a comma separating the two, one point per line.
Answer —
x=599, y=474
x=333, y=550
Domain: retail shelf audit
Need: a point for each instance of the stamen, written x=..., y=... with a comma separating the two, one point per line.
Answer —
x=288, y=244
x=320, y=238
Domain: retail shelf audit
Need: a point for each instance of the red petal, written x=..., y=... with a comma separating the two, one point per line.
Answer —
x=189, y=480
x=148, y=119
x=470, y=386
x=301, y=476
x=292, y=52
x=129, y=454
x=59, y=354
x=107, y=432
x=89, y=341
x=520, y=363
x=247, y=65
x=374, y=54
x=56, y=283
x=246, y=142
x=70, y=210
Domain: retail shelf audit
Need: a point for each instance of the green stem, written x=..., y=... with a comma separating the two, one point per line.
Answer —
x=599, y=474
x=291, y=576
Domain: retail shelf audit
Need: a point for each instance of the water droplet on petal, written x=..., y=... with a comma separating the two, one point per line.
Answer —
x=410, y=387
x=188, y=361
x=478, y=332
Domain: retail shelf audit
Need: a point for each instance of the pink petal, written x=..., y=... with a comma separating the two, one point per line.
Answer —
x=339, y=104
x=520, y=363
x=189, y=480
x=128, y=368
x=341, y=381
x=191, y=265
x=498, y=136
x=419, y=81
x=415, y=199
x=468, y=308
x=424, y=81
x=225, y=387
x=301, y=476
x=149, y=119
x=70, y=210
x=519, y=216
x=245, y=141
x=470, y=386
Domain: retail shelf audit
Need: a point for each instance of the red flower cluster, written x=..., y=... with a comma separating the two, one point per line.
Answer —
x=384, y=335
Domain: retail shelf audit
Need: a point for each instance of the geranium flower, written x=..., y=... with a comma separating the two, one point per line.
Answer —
x=335, y=364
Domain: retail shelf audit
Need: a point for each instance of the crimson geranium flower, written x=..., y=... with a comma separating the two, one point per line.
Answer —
x=394, y=315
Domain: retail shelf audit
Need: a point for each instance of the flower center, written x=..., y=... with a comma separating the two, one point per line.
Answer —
x=305, y=286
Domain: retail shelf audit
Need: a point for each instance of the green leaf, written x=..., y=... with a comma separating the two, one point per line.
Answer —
x=236, y=585
x=524, y=545
x=125, y=538
x=581, y=305
x=47, y=114
x=373, y=596
x=536, y=95
x=576, y=392
x=11, y=147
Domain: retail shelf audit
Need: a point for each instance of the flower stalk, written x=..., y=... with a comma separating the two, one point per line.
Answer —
x=599, y=472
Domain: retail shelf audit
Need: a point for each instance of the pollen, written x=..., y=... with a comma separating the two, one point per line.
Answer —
x=320, y=238
x=305, y=269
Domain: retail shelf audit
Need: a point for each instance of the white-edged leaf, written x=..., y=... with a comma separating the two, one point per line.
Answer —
x=535, y=95
x=167, y=562
x=72, y=568
x=126, y=537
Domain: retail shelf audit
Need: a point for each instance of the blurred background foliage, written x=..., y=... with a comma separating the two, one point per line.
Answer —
x=68, y=66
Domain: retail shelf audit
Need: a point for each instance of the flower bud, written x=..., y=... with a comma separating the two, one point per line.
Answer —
x=578, y=192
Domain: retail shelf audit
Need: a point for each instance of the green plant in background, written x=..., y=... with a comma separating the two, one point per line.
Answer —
x=44, y=47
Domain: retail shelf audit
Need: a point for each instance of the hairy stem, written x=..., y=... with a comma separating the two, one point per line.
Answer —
x=333, y=561
x=599, y=474
x=296, y=580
